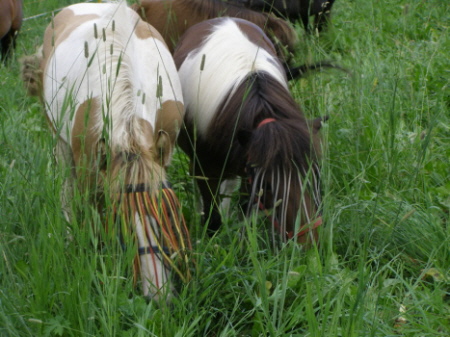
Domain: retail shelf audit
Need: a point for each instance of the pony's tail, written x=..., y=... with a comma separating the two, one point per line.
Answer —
x=31, y=73
x=294, y=73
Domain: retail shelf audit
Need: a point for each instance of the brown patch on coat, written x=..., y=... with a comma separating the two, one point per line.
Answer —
x=147, y=129
x=196, y=38
x=145, y=31
x=84, y=141
x=168, y=123
x=256, y=35
x=170, y=118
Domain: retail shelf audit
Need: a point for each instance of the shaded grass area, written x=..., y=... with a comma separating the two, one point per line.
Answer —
x=382, y=267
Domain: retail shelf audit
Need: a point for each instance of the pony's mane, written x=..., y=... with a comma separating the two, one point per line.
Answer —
x=282, y=153
x=129, y=138
x=287, y=142
x=120, y=106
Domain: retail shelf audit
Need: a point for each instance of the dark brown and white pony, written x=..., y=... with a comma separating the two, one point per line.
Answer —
x=114, y=101
x=10, y=22
x=241, y=121
x=173, y=17
x=294, y=9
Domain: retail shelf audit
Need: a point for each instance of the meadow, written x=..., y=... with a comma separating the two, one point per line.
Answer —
x=383, y=264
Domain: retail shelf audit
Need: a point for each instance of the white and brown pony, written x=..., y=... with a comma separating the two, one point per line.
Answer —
x=173, y=17
x=241, y=121
x=114, y=100
x=10, y=22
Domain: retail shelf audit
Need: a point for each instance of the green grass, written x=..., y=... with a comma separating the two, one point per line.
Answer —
x=386, y=184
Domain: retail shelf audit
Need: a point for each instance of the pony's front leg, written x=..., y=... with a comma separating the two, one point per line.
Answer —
x=210, y=196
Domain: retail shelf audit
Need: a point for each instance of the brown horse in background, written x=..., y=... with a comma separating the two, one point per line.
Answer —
x=11, y=16
x=173, y=17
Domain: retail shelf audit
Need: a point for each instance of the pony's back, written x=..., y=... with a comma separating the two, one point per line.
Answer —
x=115, y=68
x=213, y=70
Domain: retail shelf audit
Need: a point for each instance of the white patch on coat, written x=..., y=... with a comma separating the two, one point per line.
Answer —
x=72, y=77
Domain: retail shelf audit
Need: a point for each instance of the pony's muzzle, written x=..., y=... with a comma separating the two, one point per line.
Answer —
x=155, y=222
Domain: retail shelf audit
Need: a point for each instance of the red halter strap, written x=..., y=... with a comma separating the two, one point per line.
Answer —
x=266, y=121
x=306, y=229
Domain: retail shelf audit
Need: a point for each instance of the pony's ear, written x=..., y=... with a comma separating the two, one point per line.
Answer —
x=163, y=148
x=243, y=137
x=316, y=123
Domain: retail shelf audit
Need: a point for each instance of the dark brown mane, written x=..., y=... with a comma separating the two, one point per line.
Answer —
x=286, y=142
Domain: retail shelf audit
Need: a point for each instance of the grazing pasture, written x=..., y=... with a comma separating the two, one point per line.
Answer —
x=382, y=266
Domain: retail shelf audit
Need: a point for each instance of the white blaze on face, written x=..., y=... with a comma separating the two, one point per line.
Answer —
x=154, y=274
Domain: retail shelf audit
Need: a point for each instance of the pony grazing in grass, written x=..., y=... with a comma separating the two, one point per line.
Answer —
x=114, y=100
x=173, y=17
x=294, y=10
x=10, y=22
x=241, y=121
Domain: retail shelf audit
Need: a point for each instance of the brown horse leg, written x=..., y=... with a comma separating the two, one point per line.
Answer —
x=305, y=20
x=7, y=45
